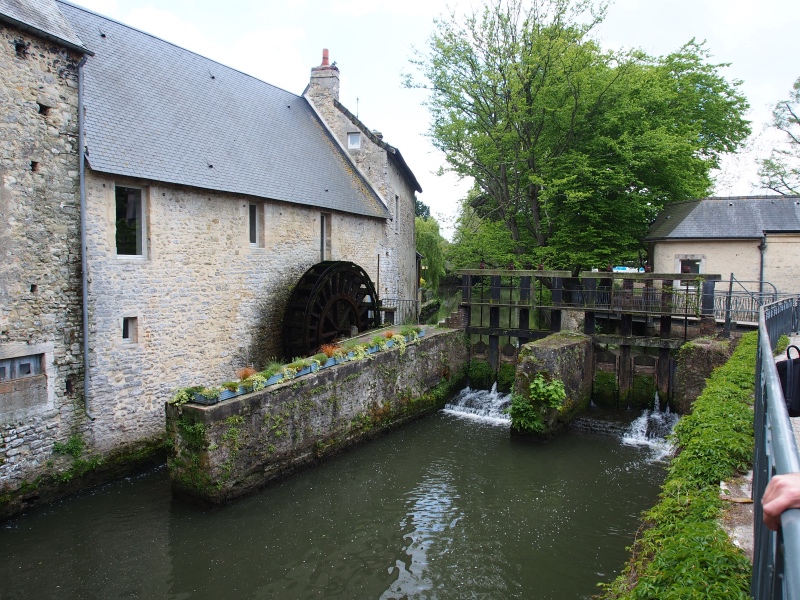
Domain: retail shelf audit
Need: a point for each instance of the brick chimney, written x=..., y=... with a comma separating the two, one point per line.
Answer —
x=323, y=88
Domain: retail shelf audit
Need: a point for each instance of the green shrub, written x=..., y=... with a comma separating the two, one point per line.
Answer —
x=527, y=414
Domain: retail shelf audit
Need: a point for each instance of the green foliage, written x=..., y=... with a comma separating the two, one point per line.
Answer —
x=683, y=553
x=431, y=245
x=480, y=374
x=572, y=148
x=781, y=171
x=527, y=414
x=506, y=375
x=524, y=415
x=73, y=447
x=783, y=343
x=421, y=209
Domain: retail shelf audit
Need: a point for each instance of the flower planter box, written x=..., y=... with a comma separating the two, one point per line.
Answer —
x=329, y=363
x=278, y=377
x=373, y=349
x=198, y=399
x=225, y=394
x=303, y=371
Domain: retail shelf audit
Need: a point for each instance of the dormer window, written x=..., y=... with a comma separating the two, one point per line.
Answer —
x=354, y=140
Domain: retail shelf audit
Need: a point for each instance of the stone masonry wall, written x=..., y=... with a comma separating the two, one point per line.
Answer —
x=398, y=252
x=40, y=289
x=567, y=356
x=205, y=300
x=223, y=451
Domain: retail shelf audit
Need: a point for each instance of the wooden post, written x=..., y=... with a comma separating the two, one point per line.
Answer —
x=625, y=370
x=590, y=298
x=557, y=293
x=524, y=311
x=494, y=321
x=666, y=329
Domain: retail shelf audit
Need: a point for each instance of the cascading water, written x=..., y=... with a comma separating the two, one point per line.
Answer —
x=651, y=429
x=481, y=405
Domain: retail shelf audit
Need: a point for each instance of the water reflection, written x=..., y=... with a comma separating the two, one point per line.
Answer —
x=429, y=522
x=443, y=508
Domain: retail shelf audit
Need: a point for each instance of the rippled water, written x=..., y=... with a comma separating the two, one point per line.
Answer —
x=444, y=508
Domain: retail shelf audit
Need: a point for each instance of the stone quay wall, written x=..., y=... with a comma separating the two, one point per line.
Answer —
x=226, y=450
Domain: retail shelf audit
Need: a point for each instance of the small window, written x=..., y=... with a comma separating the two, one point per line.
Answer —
x=20, y=367
x=21, y=48
x=44, y=110
x=255, y=219
x=325, y=237
x=396, y=210
x=354, y=140
x=130, y=329
x=690, y=266
x=130, y=221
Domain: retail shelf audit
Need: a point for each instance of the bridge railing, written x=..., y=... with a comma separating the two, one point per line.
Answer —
x=776, y=563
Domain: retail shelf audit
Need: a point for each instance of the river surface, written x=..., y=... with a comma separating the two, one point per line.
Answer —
x=451, y=506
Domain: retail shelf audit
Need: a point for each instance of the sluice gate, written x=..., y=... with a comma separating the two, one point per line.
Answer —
x=504, y=309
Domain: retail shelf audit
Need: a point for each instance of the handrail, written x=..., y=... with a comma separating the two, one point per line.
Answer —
x=776, y=563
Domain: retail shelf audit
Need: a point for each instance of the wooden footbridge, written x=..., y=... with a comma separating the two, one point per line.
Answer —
x=520, y=306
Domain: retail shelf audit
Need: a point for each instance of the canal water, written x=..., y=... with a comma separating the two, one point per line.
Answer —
x=451, y=506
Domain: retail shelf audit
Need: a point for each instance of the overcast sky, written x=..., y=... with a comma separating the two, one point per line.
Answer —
x=372, y=41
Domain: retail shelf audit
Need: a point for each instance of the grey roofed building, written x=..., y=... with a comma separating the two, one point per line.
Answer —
x=735, y=217
x=43, y=18
x=159, y=112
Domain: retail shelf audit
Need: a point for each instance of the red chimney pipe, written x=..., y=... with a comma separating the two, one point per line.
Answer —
x=324, y=57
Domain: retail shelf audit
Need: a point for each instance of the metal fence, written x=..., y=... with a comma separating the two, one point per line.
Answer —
x=776, y=564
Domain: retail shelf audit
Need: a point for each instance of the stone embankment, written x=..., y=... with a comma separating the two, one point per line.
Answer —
x=226, y=450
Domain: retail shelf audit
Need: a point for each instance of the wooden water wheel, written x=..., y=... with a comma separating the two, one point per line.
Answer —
x=328, y=301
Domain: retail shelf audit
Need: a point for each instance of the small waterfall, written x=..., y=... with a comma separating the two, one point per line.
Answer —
x=651, y=429
x=481, y=405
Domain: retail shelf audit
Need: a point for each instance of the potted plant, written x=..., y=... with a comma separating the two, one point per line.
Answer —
x=318, y=361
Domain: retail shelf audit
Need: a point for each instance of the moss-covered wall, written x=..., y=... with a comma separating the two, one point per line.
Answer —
x=566, y=356
x=694, y=364
x=222, y=451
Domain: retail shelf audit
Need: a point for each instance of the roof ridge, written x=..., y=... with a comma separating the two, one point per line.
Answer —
x=160, y=39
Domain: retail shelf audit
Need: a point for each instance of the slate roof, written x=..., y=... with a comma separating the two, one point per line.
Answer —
x=157, y=111
x=42, y=18
x=735, y=217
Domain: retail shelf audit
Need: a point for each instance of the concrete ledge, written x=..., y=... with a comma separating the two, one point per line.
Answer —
x=226, y=450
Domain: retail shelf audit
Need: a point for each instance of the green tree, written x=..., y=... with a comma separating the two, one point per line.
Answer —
x=573, y=148
x=781, y=171
x=421, y=209
x=430, y=244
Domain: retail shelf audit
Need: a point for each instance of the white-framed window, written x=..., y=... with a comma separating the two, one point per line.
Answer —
x=255, y=224
x=130, y=329
x=20, y=367
x=354, y=140
x=130, y=221
x=324, y=236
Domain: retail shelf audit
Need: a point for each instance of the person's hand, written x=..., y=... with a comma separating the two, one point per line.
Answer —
x=783, y=492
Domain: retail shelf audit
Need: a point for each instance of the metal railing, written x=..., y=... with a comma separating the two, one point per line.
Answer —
x=776, y=562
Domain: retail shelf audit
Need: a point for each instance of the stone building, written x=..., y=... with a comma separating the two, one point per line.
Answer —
x=207, y=195
x=757, y=238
